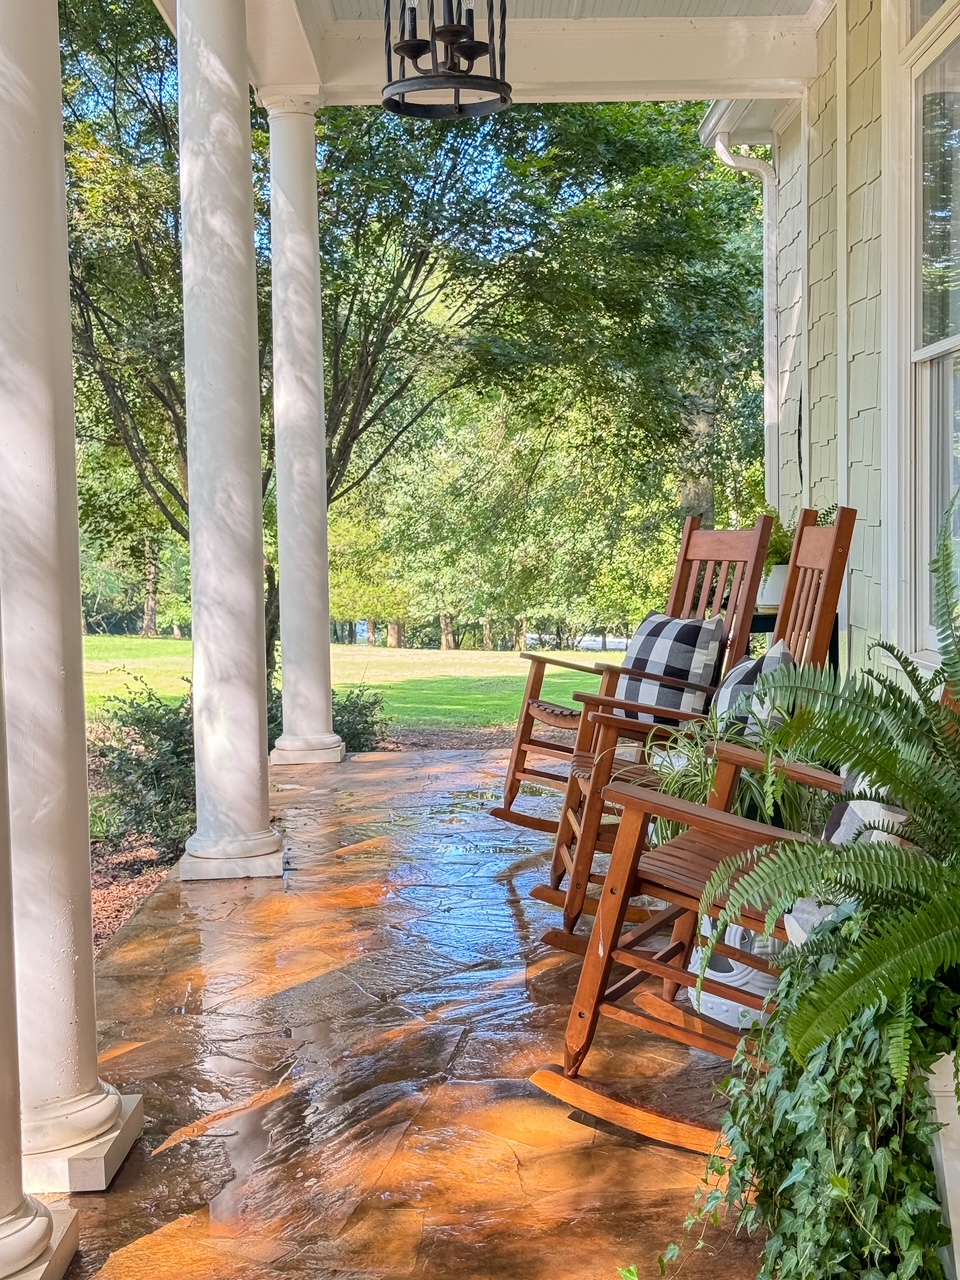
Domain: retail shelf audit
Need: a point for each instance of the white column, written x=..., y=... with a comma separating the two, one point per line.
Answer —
x=300, y=423
x=63, y=1100
x=233, y=837
x=25, y=1225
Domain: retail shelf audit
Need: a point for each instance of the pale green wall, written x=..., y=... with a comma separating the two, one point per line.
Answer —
x=822, y=270
x=790, y=276
x=824, y=417
x=863, y=312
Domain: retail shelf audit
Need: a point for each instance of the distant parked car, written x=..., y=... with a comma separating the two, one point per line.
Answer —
x=594, y=644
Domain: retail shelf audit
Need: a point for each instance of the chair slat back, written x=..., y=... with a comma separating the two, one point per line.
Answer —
x=719, y=572
x=815, y=577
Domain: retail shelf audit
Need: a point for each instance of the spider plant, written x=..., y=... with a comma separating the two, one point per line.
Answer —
x=897, y=730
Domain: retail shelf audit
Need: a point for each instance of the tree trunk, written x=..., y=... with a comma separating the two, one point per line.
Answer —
x=396, y=635
x=603, y=639
x=447, y=638
x=177, y=633
x=351, y=633
x=271, y=617
x=519, y=635
x=371, y=631
x=149, y=627
x=488, y=641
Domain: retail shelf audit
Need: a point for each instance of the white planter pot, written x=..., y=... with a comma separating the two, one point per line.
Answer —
x=772, y=589
x=946, y=1155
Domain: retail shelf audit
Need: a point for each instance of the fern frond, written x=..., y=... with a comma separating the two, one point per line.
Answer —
x=907, y=945
x=945, y=600
x=898, y=1047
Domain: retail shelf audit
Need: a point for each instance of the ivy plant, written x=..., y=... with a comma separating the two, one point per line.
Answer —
x=831, y=1158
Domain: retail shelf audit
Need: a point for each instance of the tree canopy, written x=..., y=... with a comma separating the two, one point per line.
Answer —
x=542, y=337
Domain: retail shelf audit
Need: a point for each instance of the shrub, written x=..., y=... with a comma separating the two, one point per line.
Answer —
x=142, y=762
x=143, y=766
x=357, y=717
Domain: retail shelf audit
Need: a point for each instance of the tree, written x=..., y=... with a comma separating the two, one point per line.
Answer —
x=592, y=263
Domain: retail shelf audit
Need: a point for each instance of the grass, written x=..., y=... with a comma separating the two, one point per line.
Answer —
x=423, y=688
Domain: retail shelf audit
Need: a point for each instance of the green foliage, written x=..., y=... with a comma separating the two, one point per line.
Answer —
x=904, y=741
x=142, y=763
x=830, y=1159
x=357, y=717
x=686, y=765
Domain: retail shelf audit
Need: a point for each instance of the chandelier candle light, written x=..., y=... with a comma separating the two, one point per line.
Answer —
x=441, y=83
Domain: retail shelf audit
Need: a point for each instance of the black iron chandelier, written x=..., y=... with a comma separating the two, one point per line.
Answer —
x=440, y=82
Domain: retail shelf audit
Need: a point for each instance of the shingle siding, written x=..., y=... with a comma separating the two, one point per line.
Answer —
x=822, y=270
x=790, y=276
x=863, y=319
x=860, y=416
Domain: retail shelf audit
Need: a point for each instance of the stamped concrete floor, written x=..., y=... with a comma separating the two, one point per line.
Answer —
x=335, y=1066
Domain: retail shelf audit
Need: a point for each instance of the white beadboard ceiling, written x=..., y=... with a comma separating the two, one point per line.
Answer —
x=558, y=50
x=567, y=10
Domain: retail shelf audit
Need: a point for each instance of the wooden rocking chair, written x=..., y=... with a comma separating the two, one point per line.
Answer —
x=718, y=570
x=676, y=872
x=589, y=821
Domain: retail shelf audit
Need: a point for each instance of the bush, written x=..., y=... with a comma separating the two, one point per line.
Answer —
x=357, y=717
x=143, y=769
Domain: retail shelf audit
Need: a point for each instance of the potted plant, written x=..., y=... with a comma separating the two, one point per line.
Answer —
x=775, y=565
x=779, y=550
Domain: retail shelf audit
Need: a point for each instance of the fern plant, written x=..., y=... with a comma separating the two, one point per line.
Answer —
x=902, y=737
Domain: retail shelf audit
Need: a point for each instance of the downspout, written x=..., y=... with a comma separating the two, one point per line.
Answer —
x=771, y=328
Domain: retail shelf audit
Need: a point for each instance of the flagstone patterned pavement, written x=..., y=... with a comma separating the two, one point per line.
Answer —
x=335, y=1066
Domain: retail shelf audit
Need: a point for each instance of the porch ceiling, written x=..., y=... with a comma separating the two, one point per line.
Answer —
x=559, y=50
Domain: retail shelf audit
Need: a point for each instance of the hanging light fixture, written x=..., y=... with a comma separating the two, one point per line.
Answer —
x=440, y=82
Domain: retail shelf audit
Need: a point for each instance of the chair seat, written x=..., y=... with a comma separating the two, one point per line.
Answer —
x=554, y=714
x=636, y=772
x=682, y=866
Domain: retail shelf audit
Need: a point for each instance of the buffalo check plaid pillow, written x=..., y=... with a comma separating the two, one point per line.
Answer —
x=682, y=648
x=736, y=699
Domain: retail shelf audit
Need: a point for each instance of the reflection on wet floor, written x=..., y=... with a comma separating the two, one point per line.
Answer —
x=335, y=1066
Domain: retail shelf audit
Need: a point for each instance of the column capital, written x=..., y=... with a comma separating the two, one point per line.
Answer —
x=290, y=99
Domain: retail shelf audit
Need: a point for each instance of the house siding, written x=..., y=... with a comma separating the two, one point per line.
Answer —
x=790, y=283
x=863, y=321
x=822, y=271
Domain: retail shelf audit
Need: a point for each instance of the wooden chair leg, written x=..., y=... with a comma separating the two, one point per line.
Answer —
x=591, y=817
x=525, y=729
x=607, y=928
x=572, y=801
x=684, y=932
x=564, y=840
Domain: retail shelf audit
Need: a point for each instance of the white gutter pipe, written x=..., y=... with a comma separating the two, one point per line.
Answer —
x=771, y=329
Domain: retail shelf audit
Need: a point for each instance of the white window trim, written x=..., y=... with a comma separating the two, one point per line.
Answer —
x=904, y=448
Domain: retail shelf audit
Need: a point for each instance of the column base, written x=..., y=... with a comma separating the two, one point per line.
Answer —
x=262, y=866
x=56, y=1258
x=328, y=749
x=89, y=1166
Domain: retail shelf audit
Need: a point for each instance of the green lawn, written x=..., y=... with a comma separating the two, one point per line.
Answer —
x=424, y=688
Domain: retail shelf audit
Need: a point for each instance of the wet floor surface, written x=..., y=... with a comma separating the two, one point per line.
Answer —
x=334, y=1067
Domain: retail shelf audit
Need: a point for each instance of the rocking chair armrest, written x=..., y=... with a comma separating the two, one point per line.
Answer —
x=808, y=775
x=673, y=682
x=637, y=730
x=717, y=823
x=560, y=662
x=602, y=703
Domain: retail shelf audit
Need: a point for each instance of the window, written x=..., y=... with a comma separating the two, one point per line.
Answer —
x=939, y=112
x=937, y=325
x=921, y=11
